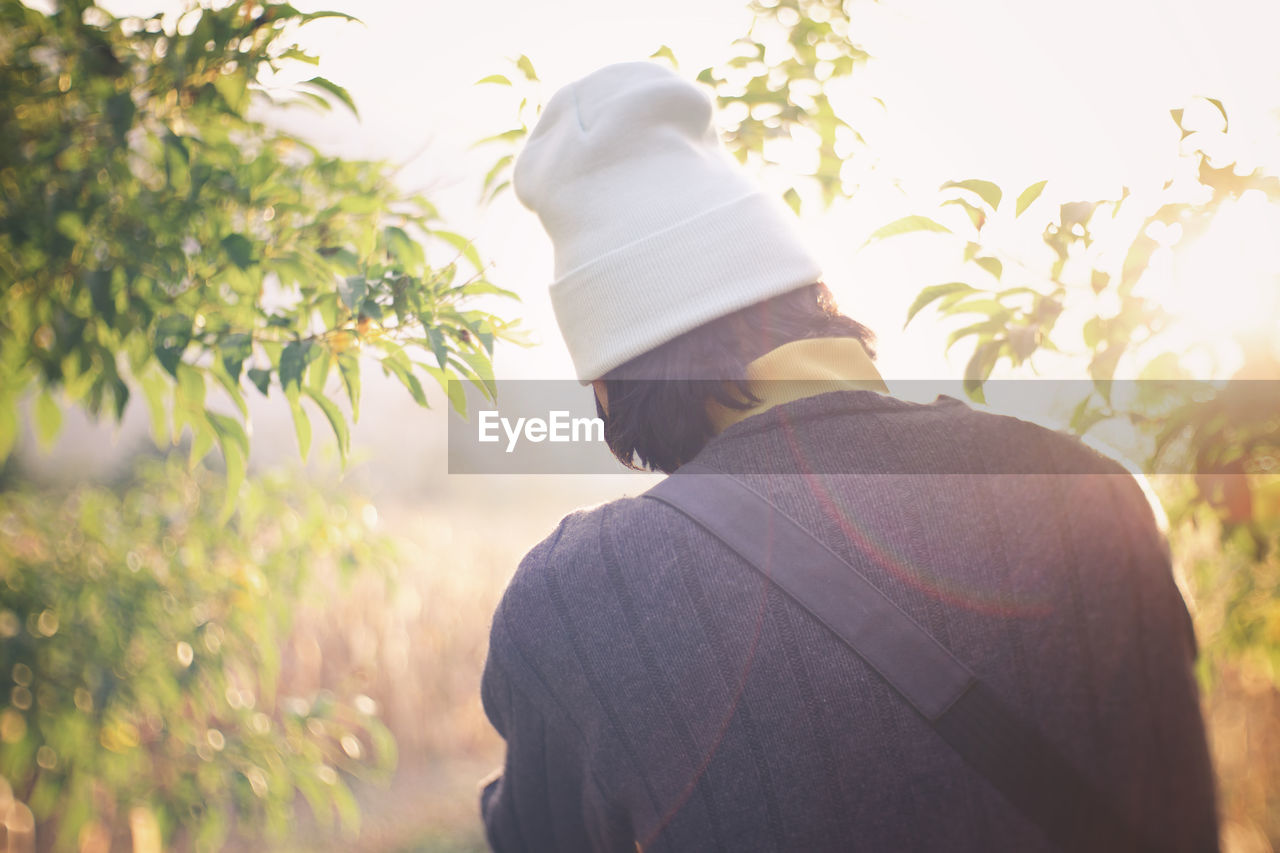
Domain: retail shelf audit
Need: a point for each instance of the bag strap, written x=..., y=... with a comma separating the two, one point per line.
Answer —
x=1031, y=774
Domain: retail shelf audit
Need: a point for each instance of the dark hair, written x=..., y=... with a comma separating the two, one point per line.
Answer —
x=657, y=415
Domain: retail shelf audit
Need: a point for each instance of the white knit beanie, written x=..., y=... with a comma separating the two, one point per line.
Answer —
x=656, y=229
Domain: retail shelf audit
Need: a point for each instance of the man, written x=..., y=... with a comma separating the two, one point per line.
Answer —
x=657, y=692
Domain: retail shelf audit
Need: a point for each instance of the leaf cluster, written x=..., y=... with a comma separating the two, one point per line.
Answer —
x=156, y=236
x=1224, y=435
x=140, y=649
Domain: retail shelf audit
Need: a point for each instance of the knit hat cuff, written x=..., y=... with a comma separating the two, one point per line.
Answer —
x=641, y=295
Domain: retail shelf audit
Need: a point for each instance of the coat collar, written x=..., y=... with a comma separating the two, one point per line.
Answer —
x=802, y=369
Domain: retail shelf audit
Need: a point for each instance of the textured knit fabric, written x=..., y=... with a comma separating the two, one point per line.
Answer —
x=656, y=229
x=654, y=689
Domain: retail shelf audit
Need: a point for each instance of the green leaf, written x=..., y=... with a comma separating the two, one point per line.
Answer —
x=985, y=190
x=71, y=225
x=234, y=89
x=120, y=110
x=498, y=79
x=438, y=346
x=977, y=216
x=506, y=136
x=937, y=291
x=979, y=368
x=315, y=16
x=100, y=293
x=319, y=371
x=300, y=55
x=335, y=90
x=352, y=291
x=990, y=307
x=483, y=369
x=239, y=249
x=495, y=170
x=991, y=265
x=349, y=368
x=234, y=349
x=1027, y=196
x=260, y=378
x=985, y=327
x=665, y=52
x=526, y=68
x=1085, y=416
x=792, y=198
x=316, y=797
x=293, y=361
x=464, y=246
x=481, y=287
x=233, y=389
x=906, y=225
x=405, y=374
x=48, y=419
x=190, y=391
x=407, y=250
x=336, y=421
x=154, y=387
x=234, y=444
x=498, y=189
x=173, y=333
x=301, y=425
x=453, y=387
x=202, y=438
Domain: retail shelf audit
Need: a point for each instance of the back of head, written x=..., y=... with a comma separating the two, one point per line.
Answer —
x=673, y=269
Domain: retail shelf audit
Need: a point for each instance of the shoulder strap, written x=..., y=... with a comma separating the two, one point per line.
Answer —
x=966, y=713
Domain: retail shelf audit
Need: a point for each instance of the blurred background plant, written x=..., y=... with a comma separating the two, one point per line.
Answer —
x=142, y=646
x=156, y=238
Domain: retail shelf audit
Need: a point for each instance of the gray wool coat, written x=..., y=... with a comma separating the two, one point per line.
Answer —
x=654, y=690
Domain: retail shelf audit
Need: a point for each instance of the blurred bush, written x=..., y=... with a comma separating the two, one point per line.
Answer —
x=141, y=654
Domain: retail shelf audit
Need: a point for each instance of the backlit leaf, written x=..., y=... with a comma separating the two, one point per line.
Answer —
x=1027, y=196
x=907, y=225
x=937, y=291
x=173, y=333
x=335, y=90
x=985, y=190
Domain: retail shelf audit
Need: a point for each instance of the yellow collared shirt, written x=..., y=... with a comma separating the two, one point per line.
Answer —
x=802, y=369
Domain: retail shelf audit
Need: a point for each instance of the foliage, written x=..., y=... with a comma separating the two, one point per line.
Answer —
x=776, y=88
x=141, y=650
x=155, y=235
x=1101, y=258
